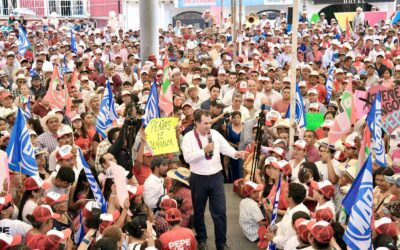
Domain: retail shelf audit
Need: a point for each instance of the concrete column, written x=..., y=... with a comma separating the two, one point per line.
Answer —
x=149, y=10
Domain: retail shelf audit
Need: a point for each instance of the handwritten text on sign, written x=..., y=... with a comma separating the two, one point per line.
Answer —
x=161, y=135
x=390, y=107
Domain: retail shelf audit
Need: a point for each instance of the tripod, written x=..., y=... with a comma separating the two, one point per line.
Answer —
x=257, y=146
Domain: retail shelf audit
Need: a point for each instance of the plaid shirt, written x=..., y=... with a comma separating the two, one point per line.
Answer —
x=15, y=92
x=160, y=225
x=48, y=140
x=102, y=148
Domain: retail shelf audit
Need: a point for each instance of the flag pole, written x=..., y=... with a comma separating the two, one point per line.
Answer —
x=293, y=73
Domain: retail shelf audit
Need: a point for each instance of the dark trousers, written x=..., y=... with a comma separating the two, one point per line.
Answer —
x=211, y=187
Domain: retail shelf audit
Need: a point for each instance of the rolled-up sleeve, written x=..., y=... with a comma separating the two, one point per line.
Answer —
x=225, y=148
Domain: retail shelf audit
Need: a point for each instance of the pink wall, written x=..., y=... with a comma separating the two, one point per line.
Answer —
x=35, y=5
x=101, y=8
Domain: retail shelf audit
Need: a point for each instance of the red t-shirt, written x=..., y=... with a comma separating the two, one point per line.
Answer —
x=283, y=203
x=142, y=174
x=178, y=238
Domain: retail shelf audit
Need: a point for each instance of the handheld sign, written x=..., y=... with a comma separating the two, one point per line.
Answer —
x=161, y=135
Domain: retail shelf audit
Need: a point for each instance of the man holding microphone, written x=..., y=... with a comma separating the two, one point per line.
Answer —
x=201, y=149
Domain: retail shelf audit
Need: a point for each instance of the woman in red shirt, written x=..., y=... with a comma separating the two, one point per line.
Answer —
x=81, y=136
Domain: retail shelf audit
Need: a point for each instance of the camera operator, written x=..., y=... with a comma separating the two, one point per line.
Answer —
x=122, y=147
x=217, y=116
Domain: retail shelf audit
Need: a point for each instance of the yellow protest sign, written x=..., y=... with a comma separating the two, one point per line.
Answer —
x=161, y=135
x=342, y=18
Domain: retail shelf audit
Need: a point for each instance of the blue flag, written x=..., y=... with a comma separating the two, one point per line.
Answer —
x=27, y=111
x=80, y=233
x=329, y=85
x=107, y=112
x=73, y=43
x=374, y=121
x=24, y=43
x=358, y=203
x=274, y=214
x=152, y=110
x=20, y=152
x=300, y=115
x=98, y=195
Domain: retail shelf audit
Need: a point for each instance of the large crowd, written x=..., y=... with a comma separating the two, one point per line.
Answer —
x=221, y=90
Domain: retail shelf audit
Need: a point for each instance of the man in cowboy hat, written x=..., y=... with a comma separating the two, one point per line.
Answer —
x=180, y=191
x=51, y=123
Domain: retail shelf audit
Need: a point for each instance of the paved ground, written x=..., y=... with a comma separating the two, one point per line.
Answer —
x=236, y=239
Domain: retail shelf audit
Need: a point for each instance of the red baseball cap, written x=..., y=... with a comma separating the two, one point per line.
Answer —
x=53, y=198
x=44, y=213
x=301, y=228
x=168, y=204
x=55, y=237
x=284, y=166
x=251, y=187
x=325, y=188
x=279, y=151
x=35, y=183
x=87, y=210
x=324, y=214
x=242, y=86
x=7, y=241
x=385, y=226
x=5, y=200
x=134, y=191
x=172, y=215
x=108, y=219
x=321, y=231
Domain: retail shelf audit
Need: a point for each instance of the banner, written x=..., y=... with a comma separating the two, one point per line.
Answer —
x=360, y=97
x=314, y=120
x=161, y=135
x=120, y=182
x=372, y=17
x=390, y=106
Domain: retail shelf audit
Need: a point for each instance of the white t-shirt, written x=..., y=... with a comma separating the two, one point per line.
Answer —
x=292, y=243
x=14, y=227
x=323, y=169
x=28, y=209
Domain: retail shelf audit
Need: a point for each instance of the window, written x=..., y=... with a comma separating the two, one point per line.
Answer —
x=66, y=7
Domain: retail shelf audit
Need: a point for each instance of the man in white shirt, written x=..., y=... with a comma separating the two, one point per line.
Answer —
x=296, y=195
x=201, y=149
x=236, y=106
x=153, y=188
x=8, y=225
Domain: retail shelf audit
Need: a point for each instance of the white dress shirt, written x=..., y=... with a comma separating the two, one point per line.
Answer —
x=285, y=229
x=243, y=110
x=195, y=156
x=153, y=190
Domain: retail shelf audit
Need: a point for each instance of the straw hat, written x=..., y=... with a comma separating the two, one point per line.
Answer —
x=181, y=174
x=51, y=114
x=90, y=98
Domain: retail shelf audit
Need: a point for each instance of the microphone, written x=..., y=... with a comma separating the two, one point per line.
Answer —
x=210, y=154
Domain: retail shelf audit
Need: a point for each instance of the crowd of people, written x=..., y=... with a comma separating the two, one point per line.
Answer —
x=218, y=91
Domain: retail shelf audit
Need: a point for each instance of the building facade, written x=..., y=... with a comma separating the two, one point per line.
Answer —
x=188, y=11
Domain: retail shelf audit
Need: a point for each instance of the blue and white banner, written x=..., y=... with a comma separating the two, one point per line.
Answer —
x=300, y=115
x=97, y=193
x=24, y=43
x=152, y=110
x=358, y=203
x=20, y=152
x=329, y=85
x=27, y=111
x=73, y=42
x=107, y=114
x=80, y=233
x=374, y=121
x=274, y=214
